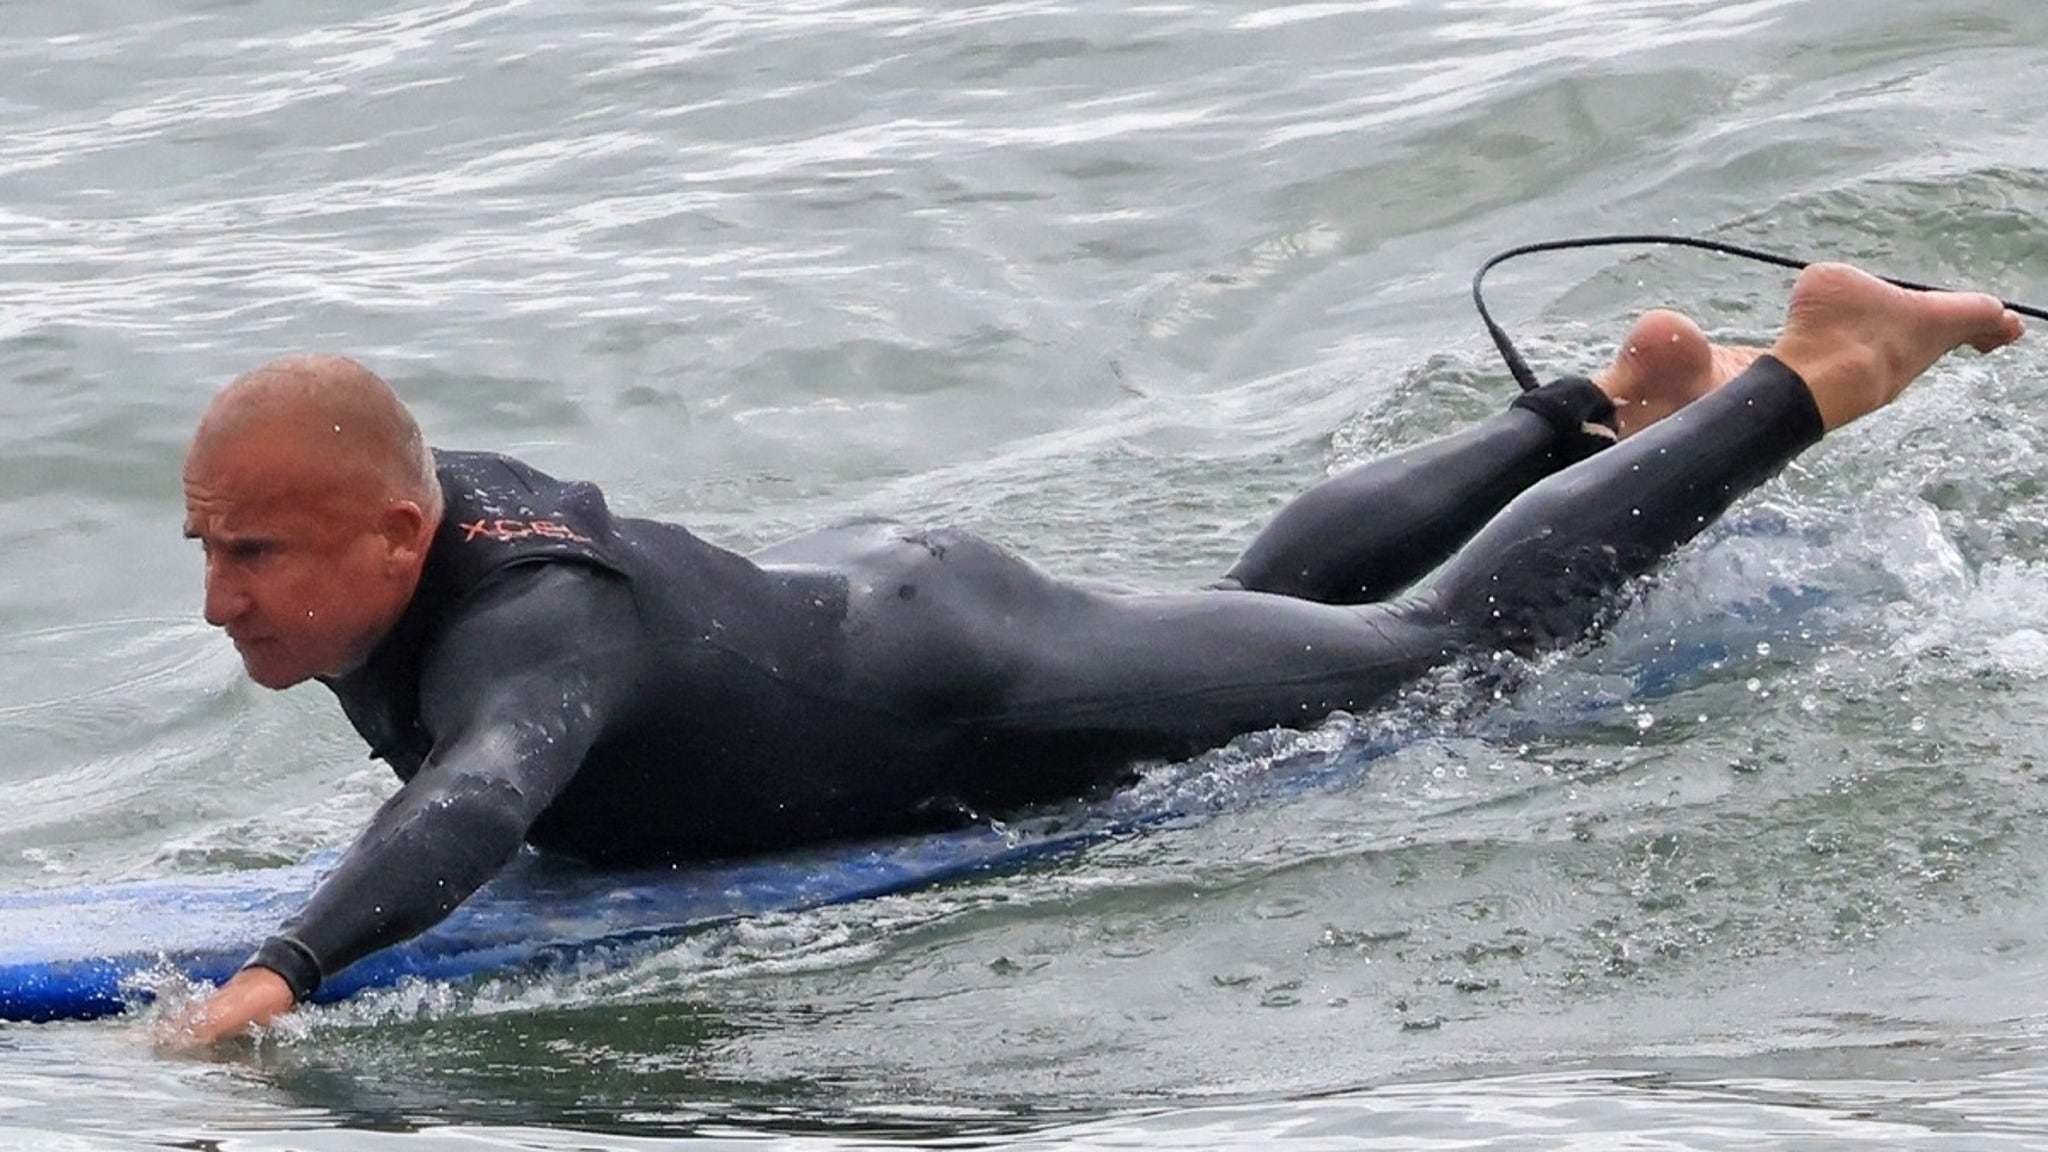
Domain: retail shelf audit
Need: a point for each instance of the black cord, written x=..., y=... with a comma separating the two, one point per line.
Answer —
x=1519, y=368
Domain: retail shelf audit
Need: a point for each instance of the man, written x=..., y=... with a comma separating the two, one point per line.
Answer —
x=538, y=670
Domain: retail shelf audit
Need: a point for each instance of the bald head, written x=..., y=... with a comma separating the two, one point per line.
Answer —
x=350, y=426
x=314, y=500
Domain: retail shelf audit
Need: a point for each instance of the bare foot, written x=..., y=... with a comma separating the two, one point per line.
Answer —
x=1858, y=341
x=1665, y=363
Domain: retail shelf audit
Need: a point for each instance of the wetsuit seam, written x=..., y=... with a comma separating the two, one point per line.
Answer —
x=1066, y=706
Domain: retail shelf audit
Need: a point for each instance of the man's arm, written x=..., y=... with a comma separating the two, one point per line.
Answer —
x=515, y=695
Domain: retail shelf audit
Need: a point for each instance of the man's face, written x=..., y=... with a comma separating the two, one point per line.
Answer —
x=298, y=571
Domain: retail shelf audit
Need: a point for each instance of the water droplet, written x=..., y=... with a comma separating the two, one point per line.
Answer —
x=1645, y=722
x=1763, y=647
x=1754, y=685
x=1918, y=724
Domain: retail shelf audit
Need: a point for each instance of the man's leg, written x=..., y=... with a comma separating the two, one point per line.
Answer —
x=1542, y=573
x=1369, y=532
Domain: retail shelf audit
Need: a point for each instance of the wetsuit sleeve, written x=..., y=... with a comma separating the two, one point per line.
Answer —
x=1369, y=532
x=514, y=695
x=1544, y=572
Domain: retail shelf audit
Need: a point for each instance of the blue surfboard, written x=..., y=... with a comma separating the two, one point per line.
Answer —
x=83, y=952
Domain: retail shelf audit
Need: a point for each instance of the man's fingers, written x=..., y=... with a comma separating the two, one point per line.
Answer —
x=254, y=996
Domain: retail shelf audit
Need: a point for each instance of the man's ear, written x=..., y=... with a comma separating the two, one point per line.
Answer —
x=407, y=532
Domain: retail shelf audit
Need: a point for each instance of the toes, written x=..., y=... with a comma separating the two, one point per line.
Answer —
x=2010, y=328
x=1990, y=324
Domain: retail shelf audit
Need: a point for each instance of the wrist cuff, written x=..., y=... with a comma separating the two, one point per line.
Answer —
x=1579, y=410
x=291, y=960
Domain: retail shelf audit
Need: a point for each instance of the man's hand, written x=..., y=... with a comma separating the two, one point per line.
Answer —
x=254, y=996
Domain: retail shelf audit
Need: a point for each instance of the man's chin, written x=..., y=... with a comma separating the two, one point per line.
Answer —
x=268, y=672
x=276, y=681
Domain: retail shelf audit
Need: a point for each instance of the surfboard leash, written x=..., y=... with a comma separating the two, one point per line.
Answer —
x=1519, y=367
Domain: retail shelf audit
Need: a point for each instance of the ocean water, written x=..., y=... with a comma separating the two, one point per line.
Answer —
x=1107, y=283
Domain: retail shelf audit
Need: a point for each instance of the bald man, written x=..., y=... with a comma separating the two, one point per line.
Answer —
x=538, y=670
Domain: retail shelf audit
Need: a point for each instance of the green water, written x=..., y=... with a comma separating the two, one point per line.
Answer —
x=1106, y=283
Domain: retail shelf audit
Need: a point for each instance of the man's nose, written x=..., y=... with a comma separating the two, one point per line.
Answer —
x=226, y=599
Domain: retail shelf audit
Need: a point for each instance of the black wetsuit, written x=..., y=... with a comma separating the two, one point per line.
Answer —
x=621, y=691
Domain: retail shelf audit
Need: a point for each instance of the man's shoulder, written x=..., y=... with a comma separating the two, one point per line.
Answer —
x=500, y=514
x=457, y=466
x=494, y=499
